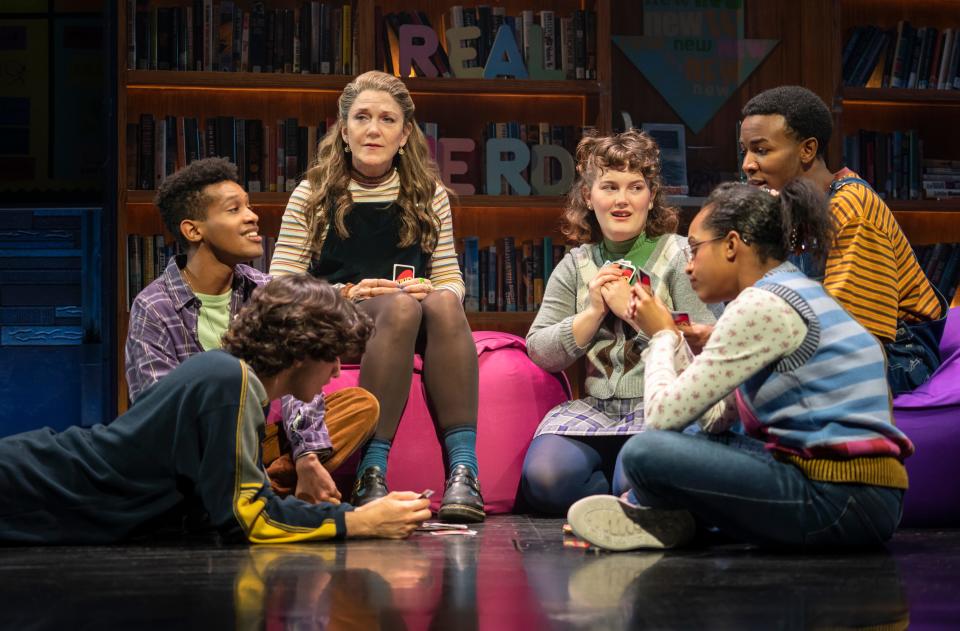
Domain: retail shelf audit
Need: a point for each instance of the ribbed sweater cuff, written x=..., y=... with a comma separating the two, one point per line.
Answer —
x=878, y=471
x=567, y=340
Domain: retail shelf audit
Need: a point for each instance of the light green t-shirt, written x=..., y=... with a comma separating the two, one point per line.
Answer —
x=214, y=319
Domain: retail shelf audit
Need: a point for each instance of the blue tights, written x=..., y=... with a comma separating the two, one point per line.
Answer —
x=559, y=470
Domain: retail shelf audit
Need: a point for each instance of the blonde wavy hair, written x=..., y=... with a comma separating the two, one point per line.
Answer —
x=329, y=176
x=633, y=151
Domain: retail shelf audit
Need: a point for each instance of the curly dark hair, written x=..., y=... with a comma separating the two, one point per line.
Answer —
x=292, y=318
x=796, y=220
x=806, y=114
x=633, y=151
x=180, y=195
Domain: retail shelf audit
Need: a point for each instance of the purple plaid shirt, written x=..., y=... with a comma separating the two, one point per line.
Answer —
x=163, y=333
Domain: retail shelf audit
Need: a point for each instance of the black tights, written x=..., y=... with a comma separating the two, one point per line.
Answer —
x=450, y=374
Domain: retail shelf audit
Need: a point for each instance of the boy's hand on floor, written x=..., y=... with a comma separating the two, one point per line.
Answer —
x=395, y=516
x=314, y=483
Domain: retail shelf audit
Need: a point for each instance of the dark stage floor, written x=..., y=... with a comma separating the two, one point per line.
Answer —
x=515, y=574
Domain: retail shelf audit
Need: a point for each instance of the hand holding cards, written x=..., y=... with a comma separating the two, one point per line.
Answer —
x=631, y=272
x=405, y=276
x=402, y=273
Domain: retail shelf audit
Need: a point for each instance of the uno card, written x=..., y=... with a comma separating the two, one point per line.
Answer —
x=680, y=317
x=403, y=272
x=644, y=279
x=627, y=269
x=426, y=494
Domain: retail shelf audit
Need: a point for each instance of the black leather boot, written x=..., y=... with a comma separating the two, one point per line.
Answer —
x=462, y=501
x=370, y=485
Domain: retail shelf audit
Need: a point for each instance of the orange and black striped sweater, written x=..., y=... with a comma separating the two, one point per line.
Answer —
x=872, y=270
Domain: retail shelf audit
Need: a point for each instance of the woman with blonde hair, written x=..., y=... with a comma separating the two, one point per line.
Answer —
x=371, y=201
x=617, y=213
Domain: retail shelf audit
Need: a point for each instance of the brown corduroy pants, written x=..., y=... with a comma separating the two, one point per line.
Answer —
x=351, y=418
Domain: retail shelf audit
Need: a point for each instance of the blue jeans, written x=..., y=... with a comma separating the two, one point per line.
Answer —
x=913, y=356
x=730, y=481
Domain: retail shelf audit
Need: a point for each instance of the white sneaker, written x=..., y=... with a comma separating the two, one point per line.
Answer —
x=609, y=523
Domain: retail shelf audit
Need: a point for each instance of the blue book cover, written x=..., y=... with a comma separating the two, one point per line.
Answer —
x=471, y=273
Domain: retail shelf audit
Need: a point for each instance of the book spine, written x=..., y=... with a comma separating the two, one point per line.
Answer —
x=346, y=28
x=134, y=271
x=492, y=301
x=509, y=274
x=590, y=31
x=290, y=153
x=898, y=74
x=944, y=61
x=471, y=273
x=549, y=39
x=537, y=273
x=131, y=20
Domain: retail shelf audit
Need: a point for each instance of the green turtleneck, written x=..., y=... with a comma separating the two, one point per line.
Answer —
x=636, y=250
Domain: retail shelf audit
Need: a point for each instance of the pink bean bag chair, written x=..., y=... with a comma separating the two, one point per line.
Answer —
x=515, y=394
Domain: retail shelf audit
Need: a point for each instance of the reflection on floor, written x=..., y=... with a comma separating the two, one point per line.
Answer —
x=515, y=574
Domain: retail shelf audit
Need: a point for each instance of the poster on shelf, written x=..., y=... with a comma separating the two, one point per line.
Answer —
x=694, y=54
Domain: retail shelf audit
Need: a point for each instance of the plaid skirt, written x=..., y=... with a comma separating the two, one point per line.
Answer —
x=591, y=416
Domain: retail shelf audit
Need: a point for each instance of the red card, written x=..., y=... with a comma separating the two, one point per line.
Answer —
x=680, y=317
x=644, y=278
x=403, y=272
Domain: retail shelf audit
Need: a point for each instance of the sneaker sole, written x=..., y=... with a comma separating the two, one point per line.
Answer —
x=605, y=522
x=460, y=513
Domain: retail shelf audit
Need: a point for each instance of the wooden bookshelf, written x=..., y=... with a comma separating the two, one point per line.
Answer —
x=918, y=98
x=460, y=107
x=932, y=112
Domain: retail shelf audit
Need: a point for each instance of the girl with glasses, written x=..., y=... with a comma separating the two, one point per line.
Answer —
x=616, y=211
x=820, y=462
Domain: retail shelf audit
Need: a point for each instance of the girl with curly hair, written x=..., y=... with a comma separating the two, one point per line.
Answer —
x=373, y=199
x=190, y=446
x=616, y=211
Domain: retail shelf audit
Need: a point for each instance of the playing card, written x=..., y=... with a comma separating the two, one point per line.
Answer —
x=627, y=269
x=680, y=317
x=439, y=525
x=644, y=278
x=403, y=272
x=425, y=494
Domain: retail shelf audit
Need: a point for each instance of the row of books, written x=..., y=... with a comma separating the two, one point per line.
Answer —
x=569, y=43
x=269, y=158
x=210, y=35
x=507, y=275
x=905, y=57
x=148, y=255
x=273, y=158
x=892, y=162
x=941, y=263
